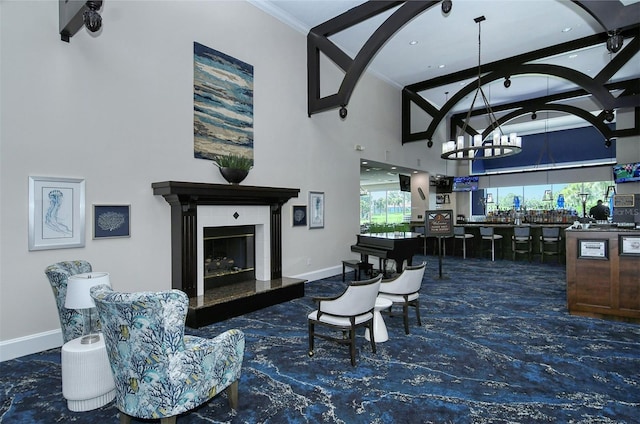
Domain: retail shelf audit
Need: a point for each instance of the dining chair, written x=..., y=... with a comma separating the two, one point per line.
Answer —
x=404, y=291
x=346, y=312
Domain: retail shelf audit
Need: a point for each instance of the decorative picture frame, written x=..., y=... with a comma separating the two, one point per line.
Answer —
x=111, y=221
x=628, y=245
x=316, y=208
x=56, y=213
x=299, y=215
x=593, y=249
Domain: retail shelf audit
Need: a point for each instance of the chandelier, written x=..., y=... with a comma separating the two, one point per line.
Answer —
x=500, y=145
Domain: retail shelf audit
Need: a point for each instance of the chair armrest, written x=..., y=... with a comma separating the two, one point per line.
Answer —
x=220, y=358
x=323, y=298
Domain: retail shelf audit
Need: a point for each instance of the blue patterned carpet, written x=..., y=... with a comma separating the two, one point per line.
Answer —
x=496, y=346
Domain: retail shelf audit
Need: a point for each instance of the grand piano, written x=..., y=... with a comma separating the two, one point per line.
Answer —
x=396, y=246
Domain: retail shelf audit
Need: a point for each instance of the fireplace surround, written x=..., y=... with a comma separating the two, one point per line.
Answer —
x=185, y=197
x=225, y=205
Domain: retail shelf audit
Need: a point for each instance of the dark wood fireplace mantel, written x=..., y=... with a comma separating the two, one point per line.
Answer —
x=184, y=197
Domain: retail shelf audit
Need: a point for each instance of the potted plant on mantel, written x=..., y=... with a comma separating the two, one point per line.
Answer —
x=234, y=168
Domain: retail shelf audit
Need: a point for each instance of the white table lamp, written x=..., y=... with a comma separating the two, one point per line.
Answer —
x=79, y=297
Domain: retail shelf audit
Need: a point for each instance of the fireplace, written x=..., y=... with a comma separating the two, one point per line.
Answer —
x=249, y=266
x=229, y=255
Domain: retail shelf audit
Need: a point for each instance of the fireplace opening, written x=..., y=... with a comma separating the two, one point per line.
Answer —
x=229, y=255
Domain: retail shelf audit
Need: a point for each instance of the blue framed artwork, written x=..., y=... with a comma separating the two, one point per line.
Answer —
x=111, y=221
x=222, y=104
x=56, y=213
x=299, y=215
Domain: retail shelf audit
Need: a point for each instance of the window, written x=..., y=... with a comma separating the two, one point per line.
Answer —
x=384, y=210
x=547, y=196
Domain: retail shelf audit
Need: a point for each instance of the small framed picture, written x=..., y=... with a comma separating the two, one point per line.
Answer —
x=628, y=245
x=299, y=215
x=593, y=249
x=316, y=208
x=111, y=221
x=56, y=213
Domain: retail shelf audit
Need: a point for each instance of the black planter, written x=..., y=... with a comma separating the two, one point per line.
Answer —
x=234, y=175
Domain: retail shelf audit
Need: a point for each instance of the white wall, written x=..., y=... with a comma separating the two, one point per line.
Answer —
x=117, y=110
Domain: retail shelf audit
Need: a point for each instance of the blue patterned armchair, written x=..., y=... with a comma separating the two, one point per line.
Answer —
x=71, y=320
x=159, y=371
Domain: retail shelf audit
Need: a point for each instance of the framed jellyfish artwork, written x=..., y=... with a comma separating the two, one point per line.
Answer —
x=56, y=213
x=111, y=221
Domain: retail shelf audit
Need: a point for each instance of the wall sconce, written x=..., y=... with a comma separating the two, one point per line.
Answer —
x=75, y=14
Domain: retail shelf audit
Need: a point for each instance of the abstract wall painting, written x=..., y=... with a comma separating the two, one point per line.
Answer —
x=56, y=213
x=222, y=104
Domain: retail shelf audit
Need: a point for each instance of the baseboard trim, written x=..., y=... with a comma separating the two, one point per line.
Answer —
x=22, y=346
x=320, y=274
x=15, y=348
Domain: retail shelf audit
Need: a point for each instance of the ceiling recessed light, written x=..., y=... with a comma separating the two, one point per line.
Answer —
x=567, y=29
x=573, y=56
x=413, y=42
x=393, y=167
x=441, y=66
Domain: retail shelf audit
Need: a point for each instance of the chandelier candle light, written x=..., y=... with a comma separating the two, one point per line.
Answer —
x=500, y=146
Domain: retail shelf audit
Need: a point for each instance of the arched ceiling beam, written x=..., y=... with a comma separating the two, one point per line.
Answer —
x=317, y=41
x=599, y=92
x=596, y=121
x=610, y=14
x=593, y=86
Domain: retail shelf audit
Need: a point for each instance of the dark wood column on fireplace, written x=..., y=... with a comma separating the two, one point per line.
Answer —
x=185, y=197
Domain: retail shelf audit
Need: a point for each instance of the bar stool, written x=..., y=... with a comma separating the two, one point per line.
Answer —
x=521, y=242
x=550, y=243
x=487, y=234
x=460, y=234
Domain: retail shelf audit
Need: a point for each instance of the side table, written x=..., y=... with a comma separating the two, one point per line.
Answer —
x=87, y=382
x=379, y=328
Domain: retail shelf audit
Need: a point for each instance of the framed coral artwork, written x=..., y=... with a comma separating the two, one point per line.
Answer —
x=111, y=221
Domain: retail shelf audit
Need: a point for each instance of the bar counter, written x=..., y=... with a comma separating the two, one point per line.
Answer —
x=504, y=229
x=603, y=272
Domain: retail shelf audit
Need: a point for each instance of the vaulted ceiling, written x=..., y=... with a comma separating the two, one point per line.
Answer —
x=554, y=54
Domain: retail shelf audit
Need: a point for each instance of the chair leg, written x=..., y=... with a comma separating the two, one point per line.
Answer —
x=232, y=394
x=124, y=418
x=493, y=250
x=352, y=345
x=416, y=304
x=405, y=317
x=372, y=337
x=311, y=336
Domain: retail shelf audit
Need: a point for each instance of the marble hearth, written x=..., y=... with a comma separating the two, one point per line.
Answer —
x=195, y=206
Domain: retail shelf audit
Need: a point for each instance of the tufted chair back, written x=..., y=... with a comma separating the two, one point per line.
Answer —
x=71, y=320
x=159, y=371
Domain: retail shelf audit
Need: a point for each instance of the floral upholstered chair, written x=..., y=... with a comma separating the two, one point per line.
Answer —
x=159, y=371
x=71, y=320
